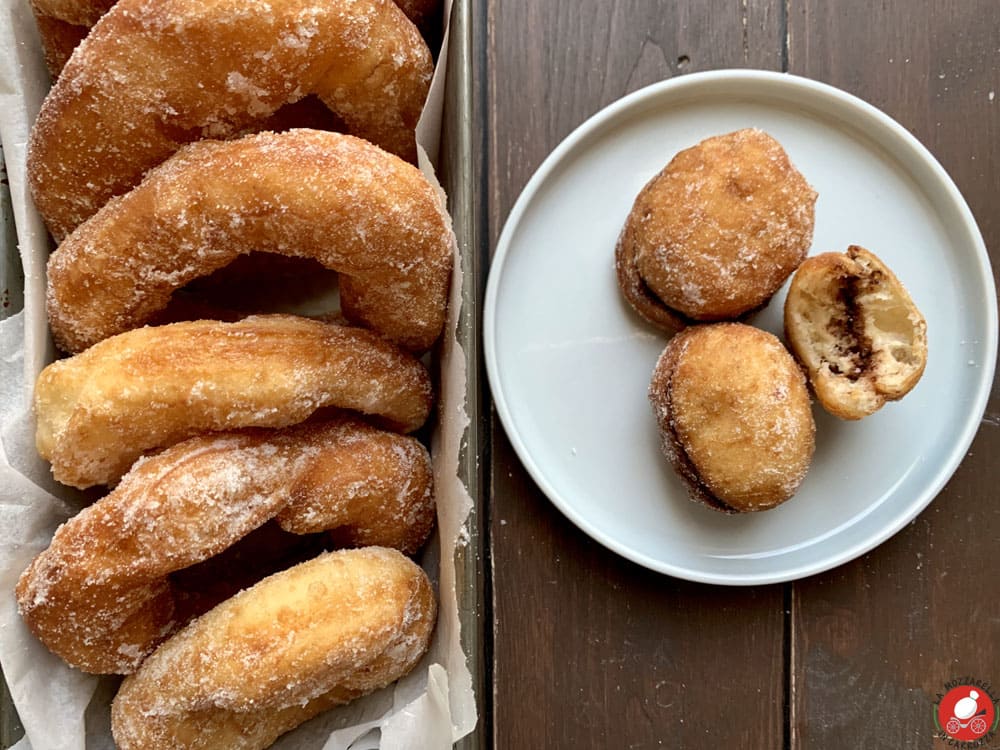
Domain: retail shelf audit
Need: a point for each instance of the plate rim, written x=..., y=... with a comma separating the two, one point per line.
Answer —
x=678, y=85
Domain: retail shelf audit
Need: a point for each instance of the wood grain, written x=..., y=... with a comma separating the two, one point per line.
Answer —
x=591, y=651
x=874, y=641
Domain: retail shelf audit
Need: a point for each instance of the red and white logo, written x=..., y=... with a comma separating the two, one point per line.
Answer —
x=966, y=713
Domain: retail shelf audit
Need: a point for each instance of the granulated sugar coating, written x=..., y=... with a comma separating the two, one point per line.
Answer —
x=156, y=74
x=100, y=596
x=305, y=193
x=63, y=24
x=715, y=234
x=98, y=411
x=734, y=416
x=317, y=635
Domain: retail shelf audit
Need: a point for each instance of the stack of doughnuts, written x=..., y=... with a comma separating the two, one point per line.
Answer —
x=708, y=241
x=259, y=435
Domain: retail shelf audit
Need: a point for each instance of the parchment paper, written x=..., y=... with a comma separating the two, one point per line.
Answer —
x=64, y=709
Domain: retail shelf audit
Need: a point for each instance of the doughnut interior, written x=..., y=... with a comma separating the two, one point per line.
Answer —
x=856, y=330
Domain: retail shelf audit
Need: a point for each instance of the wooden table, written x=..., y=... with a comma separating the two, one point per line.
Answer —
x=591, y=651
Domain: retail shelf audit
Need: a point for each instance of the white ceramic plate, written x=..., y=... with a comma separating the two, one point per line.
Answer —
x=569, y=363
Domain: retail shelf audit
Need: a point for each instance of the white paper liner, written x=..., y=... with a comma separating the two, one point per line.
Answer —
x=64, y=709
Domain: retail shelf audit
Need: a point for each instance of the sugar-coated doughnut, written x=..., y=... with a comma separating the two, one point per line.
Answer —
x=733, y=414
x=317, y=635
x=371, y=487
x=98, y=411
x=856, y=330
x=154, y=75
x=63, y=24
x=715, y=233
x=100, y=596
x=307, y=193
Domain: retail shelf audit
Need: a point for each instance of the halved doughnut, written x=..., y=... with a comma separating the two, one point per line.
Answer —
x=855, y=329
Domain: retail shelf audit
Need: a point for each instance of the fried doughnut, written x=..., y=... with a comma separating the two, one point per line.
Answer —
x=63, y=24
x=733, y=415
x=853, y=326
x=211, y=69
x=98, y=411
x=371, y=488
x=307, y=193
x=317, y=635
x=100, y=596
x=716, y=233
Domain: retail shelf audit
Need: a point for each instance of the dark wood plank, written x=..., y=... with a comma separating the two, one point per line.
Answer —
x=875, y=640
x=591, y=651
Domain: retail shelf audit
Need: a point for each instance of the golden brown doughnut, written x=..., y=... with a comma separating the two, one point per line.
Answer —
x=733, y=415
x=306, y=639
x=210, y=69
x=63, y=24
x=98, y=411
x=371, y=488
x=853, y=326
x=716, y=233
x=306, y=193
x=100, y=596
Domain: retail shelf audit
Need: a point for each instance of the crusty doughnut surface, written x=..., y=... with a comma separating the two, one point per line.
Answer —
x=734, y=417
x=98, y=411
x=100, y=596
x=715, y=233
x=333, y=198
x=856, y=330
x=306, y=639
x=63, y=24
x=366, y=486
x=211, y=69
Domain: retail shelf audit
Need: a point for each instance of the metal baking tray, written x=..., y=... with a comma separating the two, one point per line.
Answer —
x=459, y=177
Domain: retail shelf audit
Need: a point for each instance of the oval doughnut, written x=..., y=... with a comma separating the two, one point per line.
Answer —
x=98, y=411
x=716, y=232
x=311, y=637
x=63, y=24
x=211, y=69
x=100, y=595
x=337, y=199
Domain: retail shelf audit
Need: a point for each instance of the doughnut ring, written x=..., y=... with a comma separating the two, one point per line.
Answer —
x=98, y=411
x=304, y=640
x=334, y=198
x=100, y=596
x=366, y=487
x=63, y=24
x=212, y=69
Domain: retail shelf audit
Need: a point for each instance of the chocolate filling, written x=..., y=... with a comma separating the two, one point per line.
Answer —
x=853, y=342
